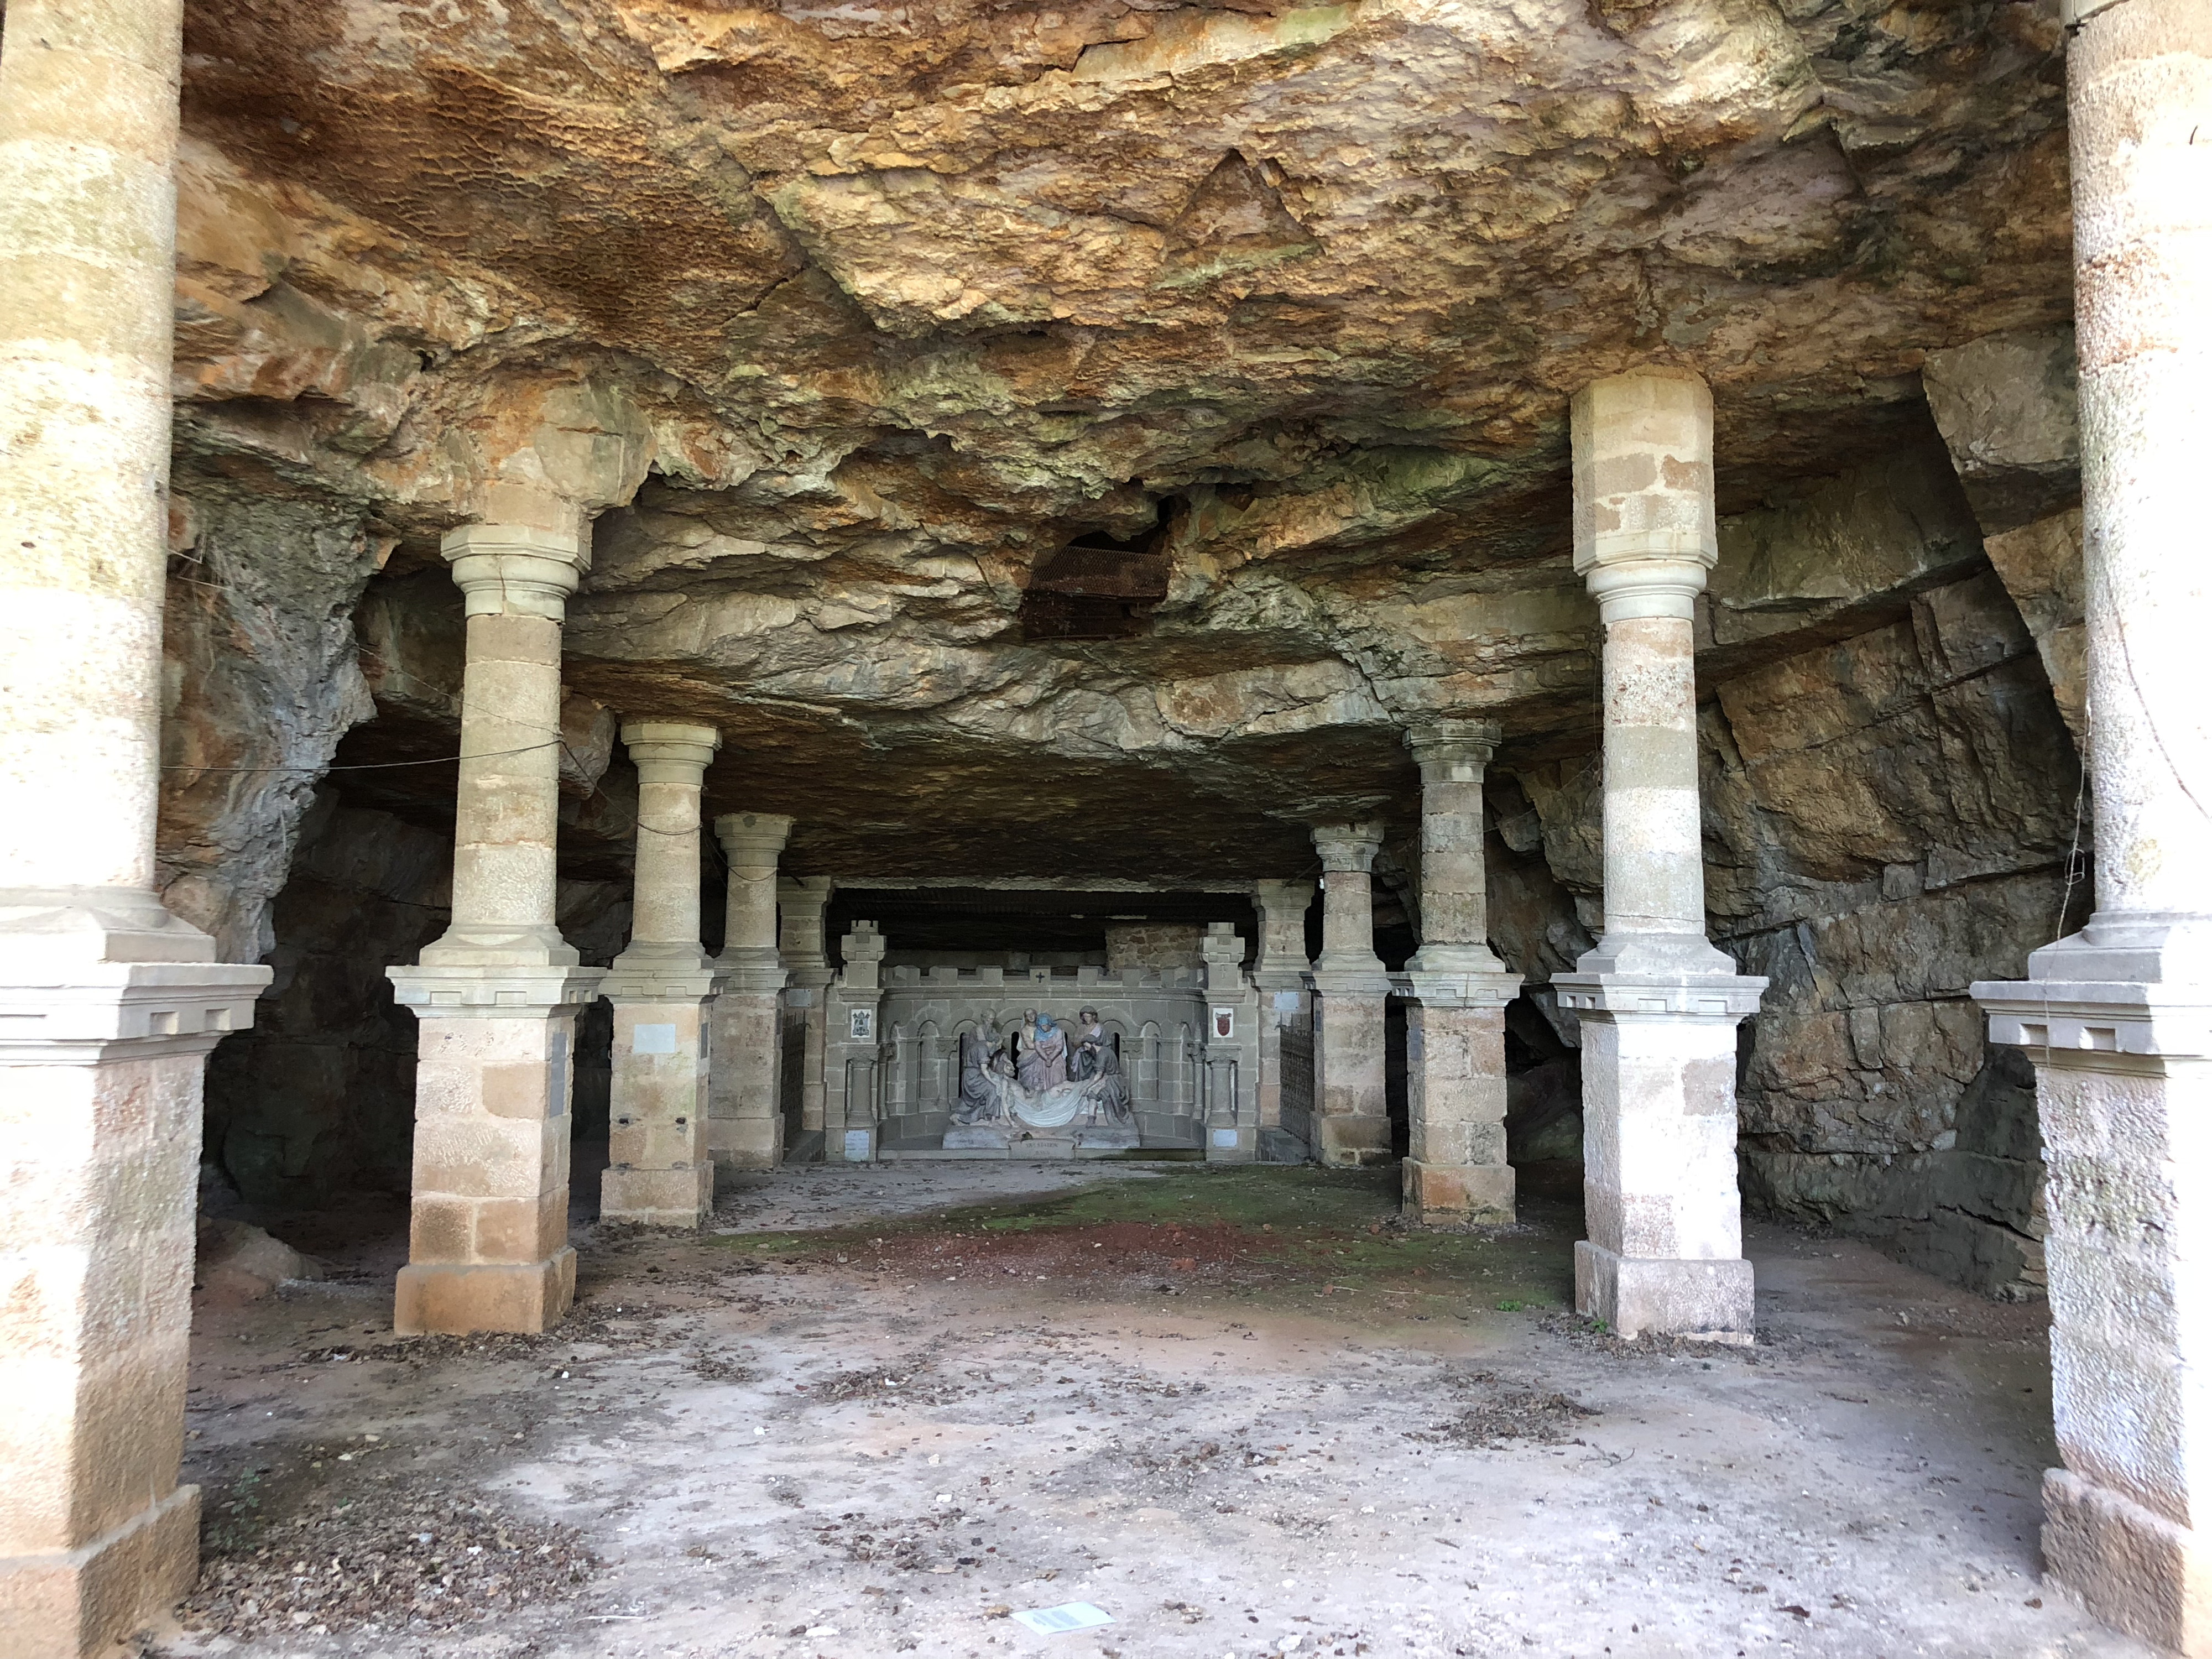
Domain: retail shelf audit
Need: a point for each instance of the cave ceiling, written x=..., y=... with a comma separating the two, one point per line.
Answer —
x=853, y=317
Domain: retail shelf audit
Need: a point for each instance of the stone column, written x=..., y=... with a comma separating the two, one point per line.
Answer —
x=2118, y=1018
x=747, y=1113
x=1352, y=1116
x=495, y=998
x=855, y=1042
x=108, y=1005
x=1659, y=1005
x=659, y=1174
x=1456, y=1168
x=802, y=902
x=1286, y=1040
x=1231, y=1085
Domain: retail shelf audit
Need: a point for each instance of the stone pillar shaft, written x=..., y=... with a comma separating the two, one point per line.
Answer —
x=658, y=1172
x=2118, y=1018
x=748, y=1089
x=514, y=580
x=1659, y=1005
x=672, y=765
x=805, y=958
x=497, y=998
x=1352, y=1112
x=1456, y=1168
x=108, y=1005
x=1286, y=1081
x=87, y=260
x=851, y=1092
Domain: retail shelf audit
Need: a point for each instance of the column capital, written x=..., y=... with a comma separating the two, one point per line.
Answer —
x=1347, y=848
x=1644, y=529
x=755, y=837
x=679, y=752
x=516, y=570
x=1452, y=744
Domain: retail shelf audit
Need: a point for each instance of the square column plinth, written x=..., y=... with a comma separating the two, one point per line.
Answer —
x=487, y=1245
x=746, y=1120
x=100, y=1146
x=1665, y=1250
x=2124, y=1089
x=659, y=1173
x=1456, y=1168
x=1352, y=1110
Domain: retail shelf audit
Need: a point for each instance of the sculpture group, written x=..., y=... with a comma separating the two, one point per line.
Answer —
x=1039, y=1077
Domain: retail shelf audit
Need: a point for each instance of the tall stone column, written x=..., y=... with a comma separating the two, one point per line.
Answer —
x=108, y=1005
x=1659, y=1005
x=748, y=1083
x=1456, y=1168
x=1286, y=1042
x=2118, y=1018
x=659, y=1174
x=495, y=998
x=854, y=1049
x=803, y=949
x=1351, y=1115
x=1231, y=1083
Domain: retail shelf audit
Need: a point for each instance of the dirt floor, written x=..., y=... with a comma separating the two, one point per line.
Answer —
x=1243, y=1412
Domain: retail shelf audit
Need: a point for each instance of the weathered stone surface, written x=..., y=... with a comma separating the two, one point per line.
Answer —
x=2006, y=406
x=895, y=309
x=260, y=684
x=237, y=1261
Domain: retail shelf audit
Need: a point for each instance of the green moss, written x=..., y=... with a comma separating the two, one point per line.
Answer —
x=1329, y=1237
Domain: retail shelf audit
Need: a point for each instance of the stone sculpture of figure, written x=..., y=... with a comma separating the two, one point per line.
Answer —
x=979, y=1102
x=1096, y=1057
x=1043, y=1063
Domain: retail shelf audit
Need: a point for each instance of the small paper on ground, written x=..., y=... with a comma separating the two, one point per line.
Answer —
x=1072, y=1615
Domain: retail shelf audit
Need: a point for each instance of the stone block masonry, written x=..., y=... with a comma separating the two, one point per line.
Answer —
x=662, y=988
x=1658, y=1004
x=108, y=1003
x=1456, y=1167
x=497, y=997
x=2118, y=1018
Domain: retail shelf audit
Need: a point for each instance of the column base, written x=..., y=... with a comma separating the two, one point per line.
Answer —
x=73, y=1604
x=1347, y=1142
x=1447, y=1193
x=2133, y=1568
x=456, y=1299
x=1710, y=1300
x=680, y=1199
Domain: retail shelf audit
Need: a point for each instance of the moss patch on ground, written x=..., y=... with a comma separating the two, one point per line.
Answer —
x=1328, y=1240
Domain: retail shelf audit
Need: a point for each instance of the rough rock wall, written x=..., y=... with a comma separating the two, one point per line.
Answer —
x=1153, y=944
x=1896, y=811
x=318, y=1097
x=260, y=681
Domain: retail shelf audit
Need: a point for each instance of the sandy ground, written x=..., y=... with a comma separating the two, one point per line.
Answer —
x=1242, y=1415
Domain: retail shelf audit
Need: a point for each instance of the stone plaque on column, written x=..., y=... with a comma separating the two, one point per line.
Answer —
x=1659, y=1005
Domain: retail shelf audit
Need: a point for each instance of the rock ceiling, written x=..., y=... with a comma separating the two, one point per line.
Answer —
x=855, y=316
